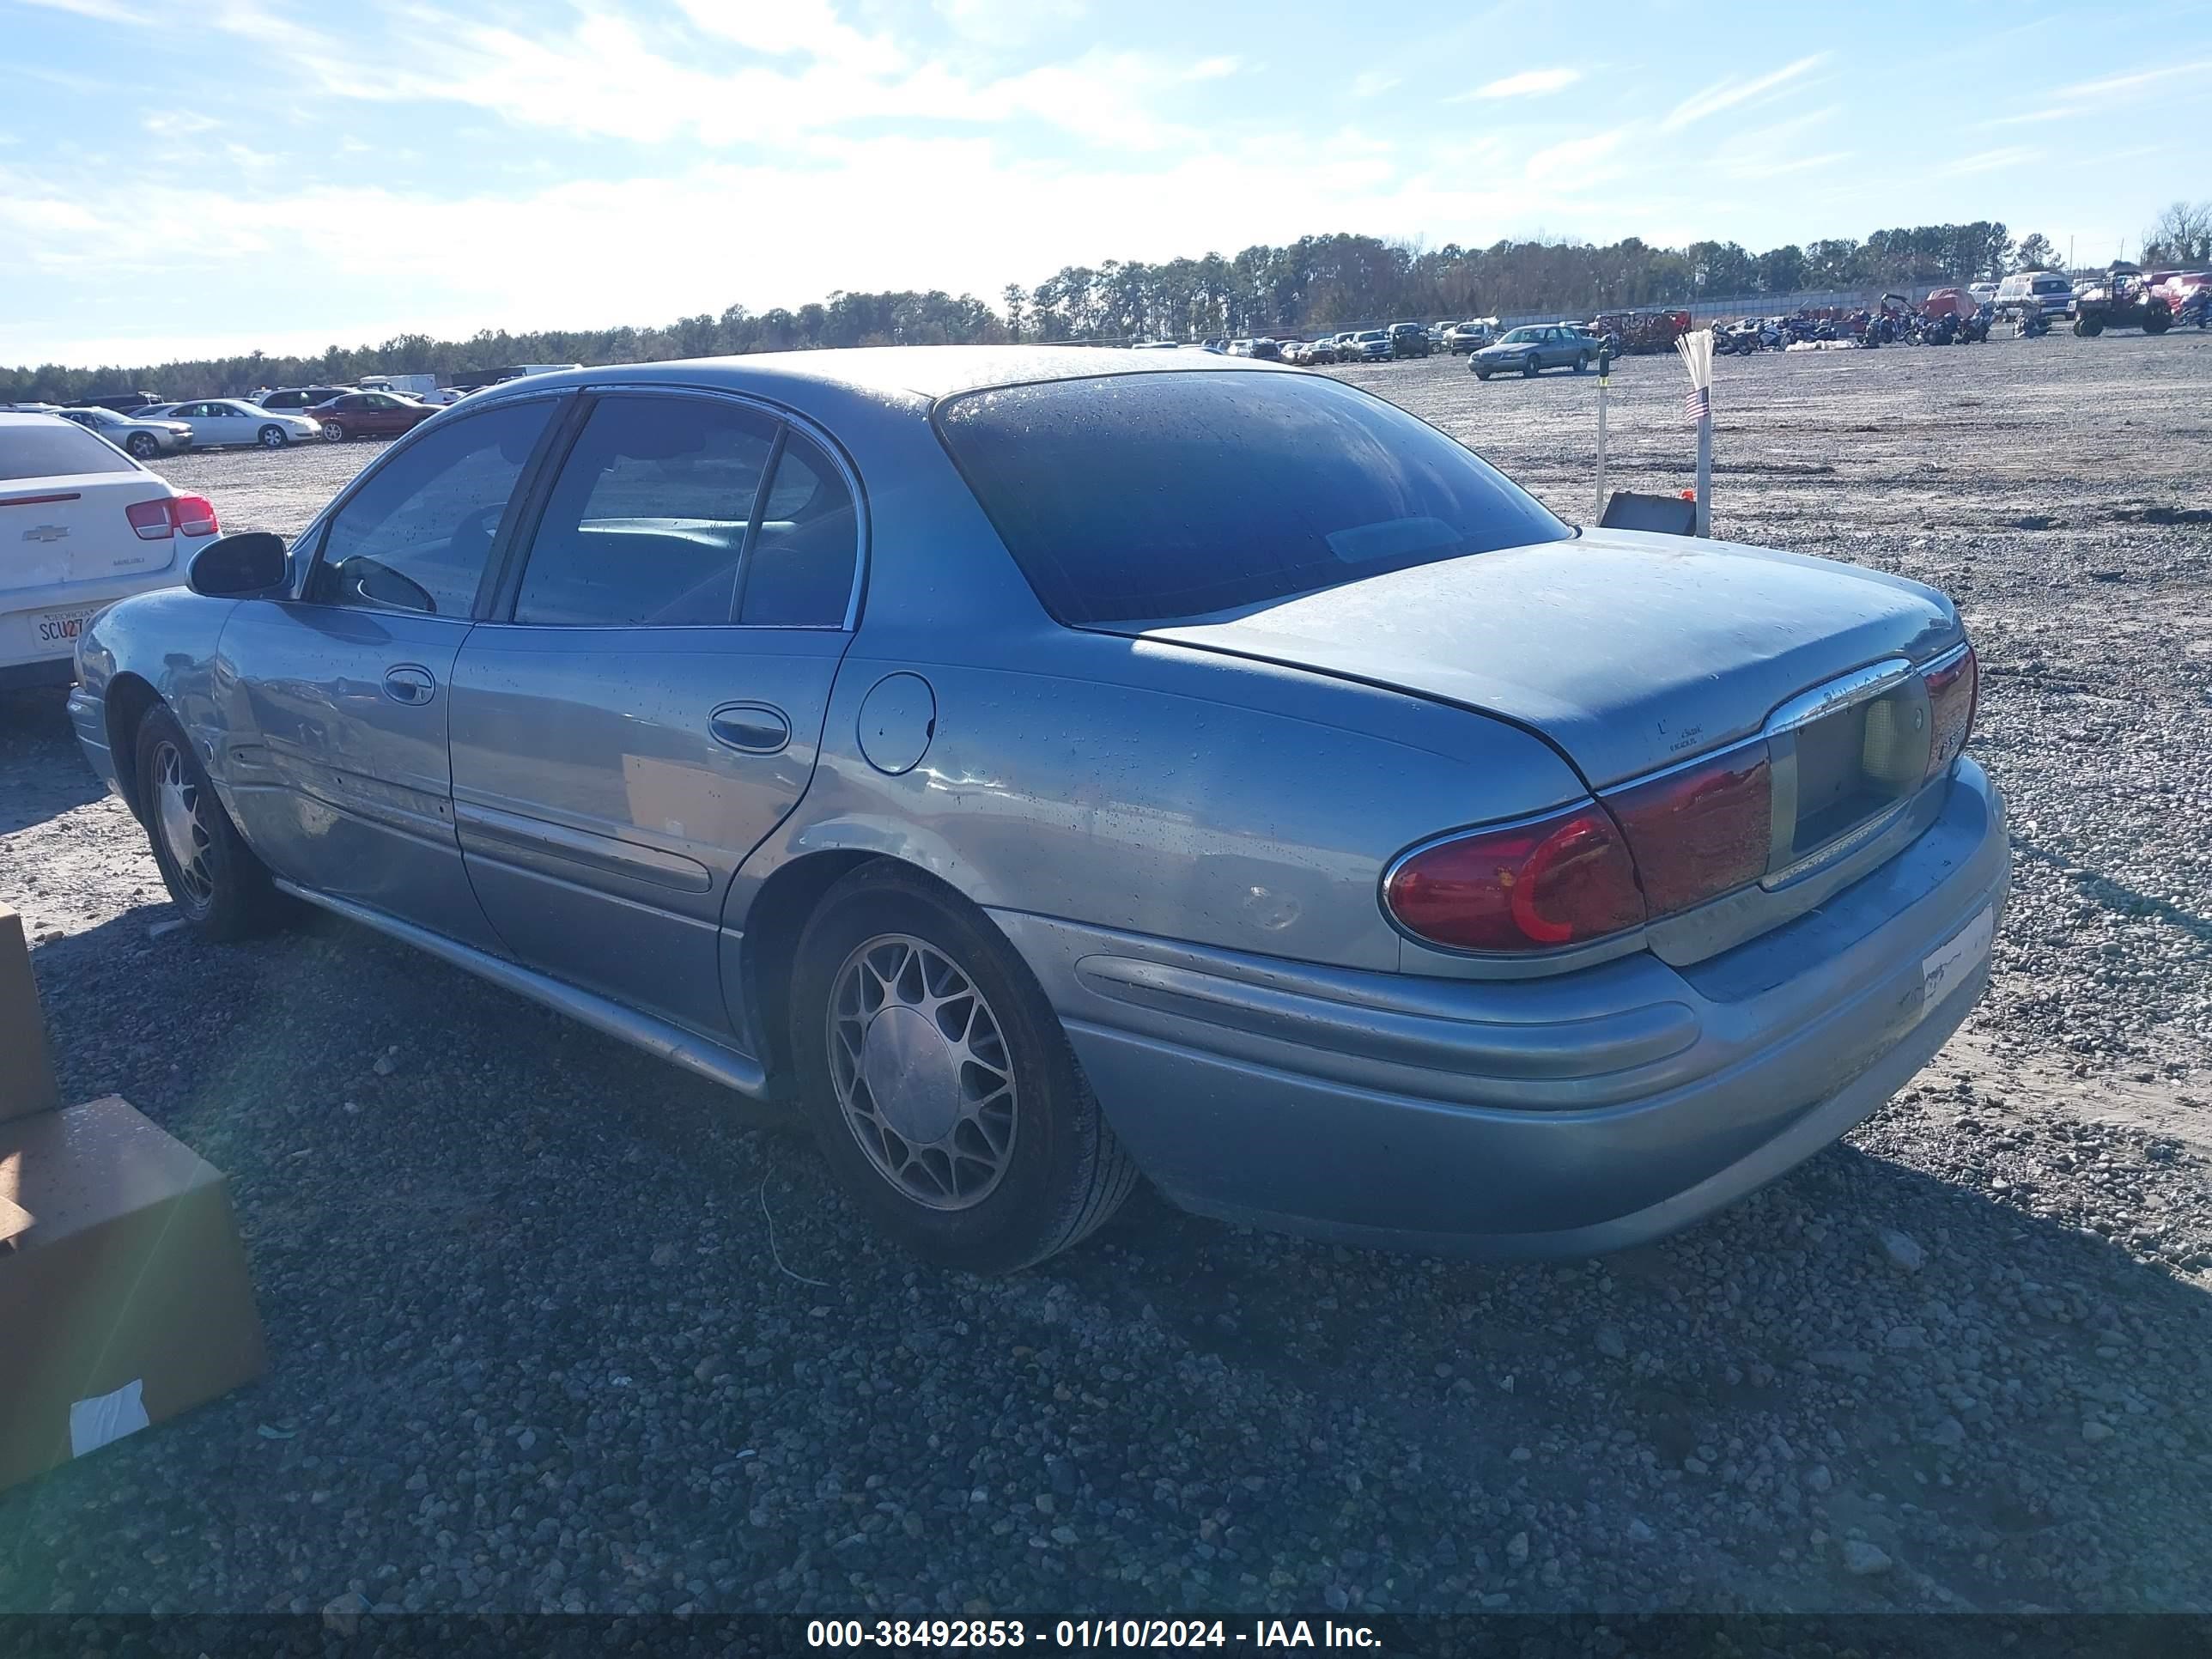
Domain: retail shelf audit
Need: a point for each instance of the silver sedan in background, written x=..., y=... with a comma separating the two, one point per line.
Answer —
x=142, y=439
x=1039, y=767
x=215, y=422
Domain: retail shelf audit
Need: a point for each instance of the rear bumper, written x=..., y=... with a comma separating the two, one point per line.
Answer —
x=1539, y=1117
x=25, y=660
x=29, y=675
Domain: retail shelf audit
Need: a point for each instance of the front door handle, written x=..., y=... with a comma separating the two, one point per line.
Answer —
x=752, y=728
x=409, y=684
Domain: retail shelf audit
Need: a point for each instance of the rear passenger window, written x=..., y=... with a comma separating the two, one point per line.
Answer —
x=800, y=574
x=646, y=525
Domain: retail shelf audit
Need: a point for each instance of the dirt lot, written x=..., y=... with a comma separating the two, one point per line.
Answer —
x=555, y=1326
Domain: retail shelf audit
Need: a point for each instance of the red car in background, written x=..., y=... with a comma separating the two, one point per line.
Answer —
x=370, y=415
x=2188, y=295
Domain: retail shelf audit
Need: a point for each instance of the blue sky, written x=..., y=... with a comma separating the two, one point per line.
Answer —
x=188, y=176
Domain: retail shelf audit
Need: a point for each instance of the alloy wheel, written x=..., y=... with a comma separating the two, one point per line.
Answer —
x=177, y=809
x=924, y=1078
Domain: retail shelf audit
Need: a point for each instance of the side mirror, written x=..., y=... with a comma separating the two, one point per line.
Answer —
x=233, y=567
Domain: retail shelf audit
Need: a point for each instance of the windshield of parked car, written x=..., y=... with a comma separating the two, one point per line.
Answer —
x=1156, y=497
x=56, y=449
x=1520, y=336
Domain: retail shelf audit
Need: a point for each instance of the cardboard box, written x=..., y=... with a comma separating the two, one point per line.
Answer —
x=27, y=1074
x=125, y=1297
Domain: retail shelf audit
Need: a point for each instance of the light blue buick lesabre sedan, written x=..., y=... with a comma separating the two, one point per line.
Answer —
x=1040, y=767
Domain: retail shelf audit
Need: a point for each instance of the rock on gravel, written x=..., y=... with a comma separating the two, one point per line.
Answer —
x=1862, y=1559
x=1901, y=1251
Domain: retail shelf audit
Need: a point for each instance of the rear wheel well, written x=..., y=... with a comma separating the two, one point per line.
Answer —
x=128, y=700
x=773, y=924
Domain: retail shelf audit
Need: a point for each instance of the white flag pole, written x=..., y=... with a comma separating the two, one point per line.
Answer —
x=1697, y=352
x=1706, y=474
x=1604, y=379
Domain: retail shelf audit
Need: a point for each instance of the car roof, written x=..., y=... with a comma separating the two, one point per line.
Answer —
x=875, y=374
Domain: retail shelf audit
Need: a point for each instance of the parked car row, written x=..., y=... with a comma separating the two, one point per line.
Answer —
x=381, y=405
x=298, y=414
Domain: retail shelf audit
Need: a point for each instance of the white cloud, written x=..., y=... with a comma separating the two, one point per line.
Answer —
x=807, y=27
x=2112, y=86
x=968, y=214
x=1990, y=161
x=1008, y=22
x=605, y=77
x=1529, y=83
x=179, y=123
x=1775, y=149
x=2085, y=96
x=1728, y=93
x=1576, y=156
x=1370, y=84
x=2032, y=118
x=103, y=11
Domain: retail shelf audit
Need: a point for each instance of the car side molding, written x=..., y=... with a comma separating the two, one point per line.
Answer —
x=672, y=1043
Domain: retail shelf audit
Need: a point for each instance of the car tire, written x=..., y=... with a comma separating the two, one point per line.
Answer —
x=1481, y=373
x=222, y=890
x=272, y=437
x=143, y=446
x=1581, y=363
x=2157, y=318
x=334, y=432
x=1024, y=1163
x=1528, y=366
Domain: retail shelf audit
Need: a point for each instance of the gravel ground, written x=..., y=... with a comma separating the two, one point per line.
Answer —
x=554, y=1326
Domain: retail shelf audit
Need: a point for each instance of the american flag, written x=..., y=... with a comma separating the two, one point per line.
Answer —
x=1697, y=405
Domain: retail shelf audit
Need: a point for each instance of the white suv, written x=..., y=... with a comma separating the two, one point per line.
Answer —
x=82, y=525
x=2047, y=290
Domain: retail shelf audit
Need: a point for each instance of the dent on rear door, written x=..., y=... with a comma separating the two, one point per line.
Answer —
x=601, y=807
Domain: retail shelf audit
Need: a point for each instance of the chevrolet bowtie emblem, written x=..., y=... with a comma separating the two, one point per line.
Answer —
x=46, y=533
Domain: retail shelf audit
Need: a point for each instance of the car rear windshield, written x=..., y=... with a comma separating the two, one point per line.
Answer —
x=1161, y=497
x=56, y=449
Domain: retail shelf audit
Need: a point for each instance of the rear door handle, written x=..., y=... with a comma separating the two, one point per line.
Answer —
x=752, y=728
x=409, y=684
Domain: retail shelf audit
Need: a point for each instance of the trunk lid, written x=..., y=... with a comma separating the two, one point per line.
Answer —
x=1630, y=651
x=58, y=532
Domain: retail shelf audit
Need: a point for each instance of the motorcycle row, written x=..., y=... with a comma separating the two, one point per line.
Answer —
x=1863, y=328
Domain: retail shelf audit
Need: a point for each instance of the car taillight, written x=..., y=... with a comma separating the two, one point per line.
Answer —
x=1562, y=879
x=193, y=515
x=1700, y=831
x=150, y=520
x=1954, y=692
x=172, y=515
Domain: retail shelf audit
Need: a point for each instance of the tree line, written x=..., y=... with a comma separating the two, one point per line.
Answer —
x=1313, y=285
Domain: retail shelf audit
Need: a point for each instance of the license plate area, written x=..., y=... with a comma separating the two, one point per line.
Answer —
x=1949, y=966
x=55, y=632
x=1843, y=765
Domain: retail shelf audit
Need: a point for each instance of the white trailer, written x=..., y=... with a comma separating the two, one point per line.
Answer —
x=415, y=386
